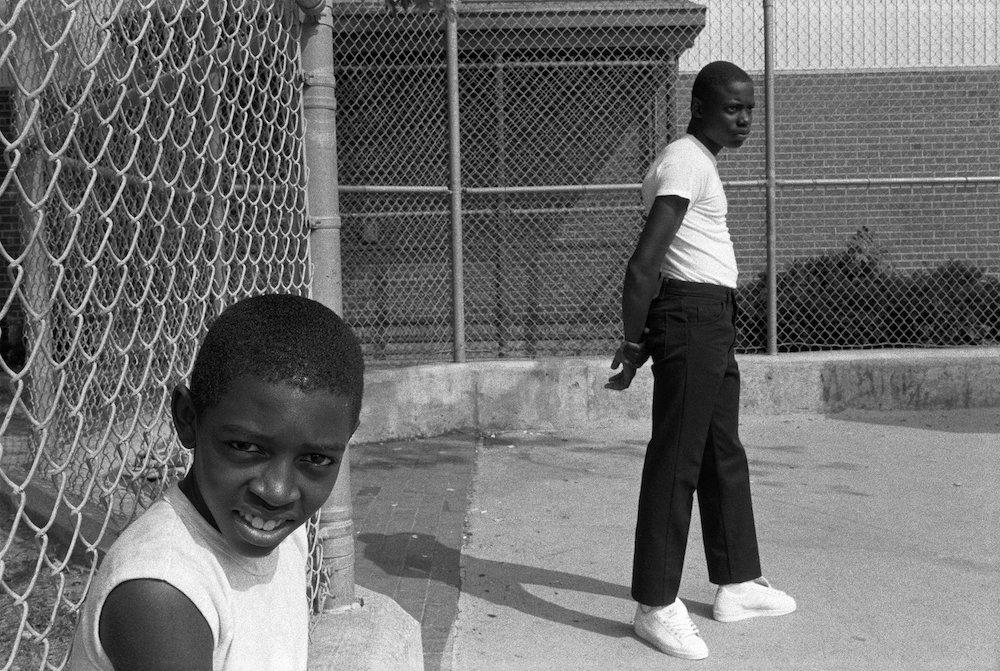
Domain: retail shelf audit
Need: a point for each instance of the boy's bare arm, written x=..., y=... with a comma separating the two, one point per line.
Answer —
x=150, y=624
x=643, y=275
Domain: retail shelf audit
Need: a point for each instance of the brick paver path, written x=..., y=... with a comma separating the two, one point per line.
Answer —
x=410, y=500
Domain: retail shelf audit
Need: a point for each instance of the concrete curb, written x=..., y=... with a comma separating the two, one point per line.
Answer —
x=552, y=394
x=378, y=635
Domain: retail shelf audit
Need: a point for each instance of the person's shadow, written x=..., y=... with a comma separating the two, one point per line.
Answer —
x=412, y=555
x=422, y=555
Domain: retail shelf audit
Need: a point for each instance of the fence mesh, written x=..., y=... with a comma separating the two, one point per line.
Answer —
x=154, y=175
x=559, y=115
x=885, y=153
x=887, y=168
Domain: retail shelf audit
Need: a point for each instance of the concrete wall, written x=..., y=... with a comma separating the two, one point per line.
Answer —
x=561, y=393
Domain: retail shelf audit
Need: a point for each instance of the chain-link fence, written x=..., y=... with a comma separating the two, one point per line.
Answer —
x=154, y=175
x=558, y=113
x=885, y=181
x=886, y=171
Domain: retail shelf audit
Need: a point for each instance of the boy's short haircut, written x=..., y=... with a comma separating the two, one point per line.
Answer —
x=279, y=338
x=715, y=77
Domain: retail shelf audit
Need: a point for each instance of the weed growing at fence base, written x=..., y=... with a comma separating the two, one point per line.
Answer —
x=49, y=626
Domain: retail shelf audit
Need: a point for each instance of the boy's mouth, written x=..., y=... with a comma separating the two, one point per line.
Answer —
x=260, y=524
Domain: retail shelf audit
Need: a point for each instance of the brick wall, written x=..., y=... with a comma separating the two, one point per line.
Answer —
x=888, y=124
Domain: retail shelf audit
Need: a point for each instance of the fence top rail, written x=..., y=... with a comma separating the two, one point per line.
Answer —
x=604, y=188
x=889, y=181
x=532, y=16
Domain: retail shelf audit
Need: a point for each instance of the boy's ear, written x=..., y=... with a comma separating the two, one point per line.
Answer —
x=697, y=108
x=184, y=415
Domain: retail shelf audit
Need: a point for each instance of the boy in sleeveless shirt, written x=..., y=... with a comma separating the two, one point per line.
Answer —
x=213, y=575
x=678, y=308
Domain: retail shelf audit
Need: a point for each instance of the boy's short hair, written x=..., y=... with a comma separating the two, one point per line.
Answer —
x=715, y=77
x=279, y=338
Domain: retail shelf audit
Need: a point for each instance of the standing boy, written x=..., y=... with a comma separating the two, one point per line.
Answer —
x=678, y=307
x=213, y=575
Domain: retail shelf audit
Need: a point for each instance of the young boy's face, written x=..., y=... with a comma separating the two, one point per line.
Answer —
x=724, y=119
x=266, y=457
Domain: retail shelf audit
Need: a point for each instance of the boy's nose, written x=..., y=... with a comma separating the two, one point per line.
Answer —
x=276, y=485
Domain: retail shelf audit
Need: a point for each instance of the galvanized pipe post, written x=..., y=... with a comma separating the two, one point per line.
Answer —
x=455, y=187
x=319, y=103
x=771, y=180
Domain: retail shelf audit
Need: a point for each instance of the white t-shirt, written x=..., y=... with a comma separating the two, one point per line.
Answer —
x=702, y=251
x=255, y=607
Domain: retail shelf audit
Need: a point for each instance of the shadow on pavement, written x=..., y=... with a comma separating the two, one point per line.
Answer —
x=500, y=583
x=976, y=420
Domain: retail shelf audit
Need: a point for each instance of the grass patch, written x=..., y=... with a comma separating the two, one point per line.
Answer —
x=39, y=598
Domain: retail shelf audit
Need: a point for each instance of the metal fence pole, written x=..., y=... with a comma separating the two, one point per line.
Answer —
x=455, y=170
x=772, y=239
x=336, y=530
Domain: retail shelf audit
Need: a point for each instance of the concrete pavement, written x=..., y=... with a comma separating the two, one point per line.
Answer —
x=874, y=477
x=410, y=501
x=882, y=525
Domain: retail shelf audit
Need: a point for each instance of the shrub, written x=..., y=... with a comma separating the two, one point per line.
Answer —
x=853, y=299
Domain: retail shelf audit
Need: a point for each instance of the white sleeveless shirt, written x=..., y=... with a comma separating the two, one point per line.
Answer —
x=255, y=607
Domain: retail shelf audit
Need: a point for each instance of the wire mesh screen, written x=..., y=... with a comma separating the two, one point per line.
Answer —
x=885, y=151
x=887, y=171
x=559, y=116
x=543, y=114
x=154, y=176
x=392, y=132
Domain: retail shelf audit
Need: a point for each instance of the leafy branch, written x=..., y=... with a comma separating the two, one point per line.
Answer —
x=444, y=9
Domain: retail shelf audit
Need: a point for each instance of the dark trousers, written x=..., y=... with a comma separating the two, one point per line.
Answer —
x=695, y=446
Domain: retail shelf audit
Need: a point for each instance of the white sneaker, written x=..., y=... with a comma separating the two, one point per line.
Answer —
x=755, y=598
x=671, y=630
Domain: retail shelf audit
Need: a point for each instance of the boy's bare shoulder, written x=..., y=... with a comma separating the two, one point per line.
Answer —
x=150, y=624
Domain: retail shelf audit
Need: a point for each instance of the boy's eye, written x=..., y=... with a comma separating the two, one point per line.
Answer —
x=319, y=460
x=243, y=446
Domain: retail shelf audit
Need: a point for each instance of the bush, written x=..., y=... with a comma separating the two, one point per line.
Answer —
x=852, y=299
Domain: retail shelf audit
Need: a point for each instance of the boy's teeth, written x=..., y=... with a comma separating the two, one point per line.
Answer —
x=258, y=523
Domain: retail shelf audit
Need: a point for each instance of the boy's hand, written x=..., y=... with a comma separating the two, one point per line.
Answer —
x=630, y=356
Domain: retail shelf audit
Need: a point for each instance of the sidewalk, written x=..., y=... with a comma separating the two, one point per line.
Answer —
x=882, y=525
x=410, y=500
